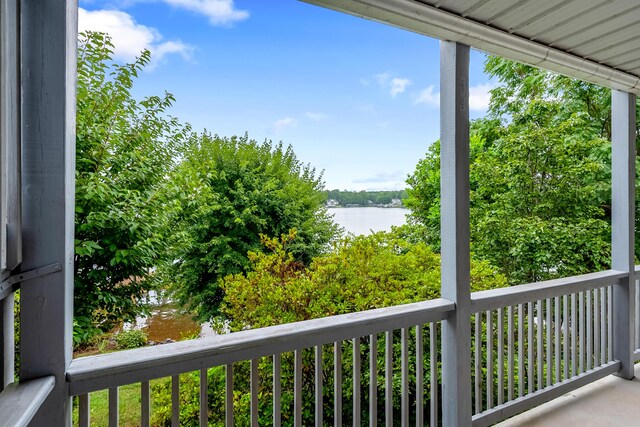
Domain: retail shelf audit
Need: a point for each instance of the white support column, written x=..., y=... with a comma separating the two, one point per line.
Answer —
x=623, y=174
x=49, y=49
x=454, y=208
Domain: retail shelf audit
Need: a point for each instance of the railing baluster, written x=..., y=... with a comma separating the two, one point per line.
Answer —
x=549, y=351
x=520, y=350
x=404, y=374
x=204, y=398
x=337, y=384
x=556, y=331
x=277, y=390
x=84, y=410
x=596, y=328
x=145, y=404
x=530, y=374
x=113, y=407
x=175, y=401
x=539, y=317
x=581, y=331
x=510, y=353
x=254, y=392
x=500, y=350
x=565, y=334
x=433, y=388
x=574, y=325
x=318, y=385
x=603, y=326
x=373, y=381
x=637, y=316
x=610, y=322
x=228, y=401
x=589, y=320
x=356, y=381
x=489, y=382
x=297, y=388
x=477, y=360
x=388, y=378
x=419, y=377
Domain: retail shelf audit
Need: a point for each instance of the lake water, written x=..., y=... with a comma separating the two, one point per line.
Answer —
x=367, y=220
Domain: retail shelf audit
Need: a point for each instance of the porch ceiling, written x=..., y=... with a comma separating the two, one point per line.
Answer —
x=593, y=40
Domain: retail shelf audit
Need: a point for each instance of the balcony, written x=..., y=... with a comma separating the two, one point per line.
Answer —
x=466, y=359
x=529, y=344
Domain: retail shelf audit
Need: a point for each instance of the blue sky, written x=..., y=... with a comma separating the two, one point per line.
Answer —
x=355, y=98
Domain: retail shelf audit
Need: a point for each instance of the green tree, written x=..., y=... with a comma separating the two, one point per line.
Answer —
x=124, y=151
x=540, y=177
x=361, y=273
x=232, y=191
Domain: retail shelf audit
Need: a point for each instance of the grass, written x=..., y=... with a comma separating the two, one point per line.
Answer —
x=128, y=407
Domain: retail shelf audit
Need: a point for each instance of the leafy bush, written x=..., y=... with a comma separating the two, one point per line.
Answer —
x=189, y=399
x=361, y=273
x=133, y=338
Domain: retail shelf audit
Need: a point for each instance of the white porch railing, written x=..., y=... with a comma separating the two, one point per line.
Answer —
x=535, y=342
x=405, y=325
x=530, y=344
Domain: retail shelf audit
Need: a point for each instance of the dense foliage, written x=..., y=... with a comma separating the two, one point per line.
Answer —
x=365, y=198
x=540, y=177
x=233, y=190
x=361, y=273
x=124, y=151
x=152, y=196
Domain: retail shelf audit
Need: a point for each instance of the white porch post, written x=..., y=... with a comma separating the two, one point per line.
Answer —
x=623, y=173
x=49, y=45
x=454, y=184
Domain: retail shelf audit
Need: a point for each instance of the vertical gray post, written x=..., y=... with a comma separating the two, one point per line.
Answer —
x=623, y=174
x=10, y=250
x=454, y=208
x=49, y=46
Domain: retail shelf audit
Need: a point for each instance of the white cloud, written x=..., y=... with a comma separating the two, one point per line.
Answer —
x=316, y=117
x=129, y=37
x=382, y=177
x=219, y=12
x=388, y=83
x=479, y=97
x=282, y=124
x=398, y=86
x=382, y=79
x=428, y=97
x=381, y=181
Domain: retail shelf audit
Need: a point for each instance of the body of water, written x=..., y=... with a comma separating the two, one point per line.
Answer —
x=367, y=220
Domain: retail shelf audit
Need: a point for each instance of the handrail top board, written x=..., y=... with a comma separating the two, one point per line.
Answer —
x=102, y=371
x=530, y=292
x=19, y=402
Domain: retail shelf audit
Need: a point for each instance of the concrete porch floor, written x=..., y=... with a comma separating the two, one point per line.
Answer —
x=611, y=401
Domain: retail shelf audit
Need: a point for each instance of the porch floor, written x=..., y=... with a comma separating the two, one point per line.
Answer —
x=611, y=401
